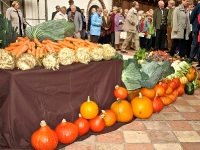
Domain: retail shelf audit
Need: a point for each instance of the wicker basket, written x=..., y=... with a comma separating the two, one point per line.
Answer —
x=134, y=93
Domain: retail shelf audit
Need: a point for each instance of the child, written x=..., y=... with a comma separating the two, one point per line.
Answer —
x=142, y=28
x=151, y=31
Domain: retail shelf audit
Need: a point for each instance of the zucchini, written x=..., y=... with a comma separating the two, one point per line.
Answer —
x=189, y=88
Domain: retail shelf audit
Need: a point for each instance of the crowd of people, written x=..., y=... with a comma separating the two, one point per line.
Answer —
x=172, y=29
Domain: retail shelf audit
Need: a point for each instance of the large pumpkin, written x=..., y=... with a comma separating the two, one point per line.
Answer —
x=166, y=100
x=83, y=125
x=160, y=90
x=44, y=138
x=150, y=93
x=97, y=124
x=123, y=110
x=142, y=106
x=109, y=117
x=157, y=104
x=67, y=132
x=89, y=109
x=120, y=92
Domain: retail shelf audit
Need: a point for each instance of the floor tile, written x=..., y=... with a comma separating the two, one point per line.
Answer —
x=180, y=101
x=139, y=147
x=197, y=107
x=76, y=146
x=169, y=108
x=190, y=146
x=197, y=92
x=195, y=124
x=193, y=102
x=162, y=137
x=181, y=108
x=189, y=97
x=110, y=146
x=155, y=116
x=114, y=136
x=172, y=116
x=191, y=115
x=168, y=146
x=135, y=125
x=187, y=136
x=179, y=125
x=156, y=125
x=136, y=137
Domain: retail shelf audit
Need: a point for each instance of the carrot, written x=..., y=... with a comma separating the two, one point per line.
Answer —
x=48, y=47
x=29, y=51
x=73, y=39
x=41, y=52
x=66, y=44
x=20, y=38
x=9, y=48
x=37, y=53
x=76, y=44
x=37, y=42
x=55, y=46
x=33, y=48
x=17, y=49
x=29, y=45
x=23, y=50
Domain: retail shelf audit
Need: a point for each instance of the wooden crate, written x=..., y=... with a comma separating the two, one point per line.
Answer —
x=134, y=93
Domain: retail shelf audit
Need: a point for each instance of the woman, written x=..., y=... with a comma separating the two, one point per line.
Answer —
x=96, y=23
x=119, y=22
x=61, y=14
x=180, y=29
x=142, y=28
x=15, y=15
x=105, y=30
x=112, y=28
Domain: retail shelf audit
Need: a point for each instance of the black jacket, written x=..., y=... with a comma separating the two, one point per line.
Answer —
x=53, y=15
x=194, y=19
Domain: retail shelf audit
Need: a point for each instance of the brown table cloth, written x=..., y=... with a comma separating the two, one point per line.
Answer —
x=27, y=97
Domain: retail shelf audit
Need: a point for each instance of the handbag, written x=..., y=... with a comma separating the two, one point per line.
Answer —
x=123, y=35
x=103, y=33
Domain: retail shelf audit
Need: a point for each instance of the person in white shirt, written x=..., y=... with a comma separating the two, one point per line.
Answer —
x=61, y=14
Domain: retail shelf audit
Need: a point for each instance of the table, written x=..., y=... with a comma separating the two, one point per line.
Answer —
x=27, y=97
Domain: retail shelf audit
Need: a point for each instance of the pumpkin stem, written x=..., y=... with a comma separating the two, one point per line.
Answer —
x=118, y=100
x=79, y=115
x=140, y=95
x=156, y=94
x=43, y=123
x=64, y=120
x=103, y=111
x=88, y=99
x=117, y=86
x=102, y=116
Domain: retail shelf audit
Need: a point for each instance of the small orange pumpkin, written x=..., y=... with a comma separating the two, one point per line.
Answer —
x=109, y=117
x=160, y=90
x=157, y=104
x=169, y=90
x=191, y=75
x=142, y=106
x=89, y=109
x=123, y=110
x=150, y=93
x=120, y=92
x=166, y=100
x=181, y=90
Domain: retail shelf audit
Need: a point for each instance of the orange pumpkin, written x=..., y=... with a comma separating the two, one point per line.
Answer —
x=177, y=81
x=142, y=106
x=150, y=93
x=120, y=92
x=191, y=75
x=157, y=104
x=173, y=85
x=109, y=117
x=164, y=84
x=89, y=109
x=123, y=110
x=169, y=90
x=67, y=132
x=160, y=90
x=181, y=90
x=166, y=100
x=83, y=125
x=44, y=138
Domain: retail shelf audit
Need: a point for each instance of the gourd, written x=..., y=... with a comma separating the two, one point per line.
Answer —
x=89, y=109
x=83, y=125
x=166, y=100
x=189, y=88
x=97, y=124
x=142, y=107
x=123, y=110
x=180, y=90
x=120, y=92
x=183, y=80
x=44, y=138
x=157, y=104
x=160, y=90
x=191, y=75
x=109, y=117
x=150, y=93
x=67, y=132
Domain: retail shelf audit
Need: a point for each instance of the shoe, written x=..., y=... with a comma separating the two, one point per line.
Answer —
x=124, y=51
x=132, y=48
x=195, y=60
x=198, y=65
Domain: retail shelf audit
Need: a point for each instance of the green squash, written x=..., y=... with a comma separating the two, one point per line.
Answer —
x=189, y=88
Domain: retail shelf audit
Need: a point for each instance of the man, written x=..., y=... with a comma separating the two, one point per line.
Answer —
x=54, y=13
x=71, y=2
x=160, y=25
x=112, y=27
x=195, y=30
x=171, y=4
x=130, y=26
x=125, y=12
x=75, y=16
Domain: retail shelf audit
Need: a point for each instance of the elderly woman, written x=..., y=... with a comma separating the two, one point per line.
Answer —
x=112, y=28
x=96, y=23
x=119, y=22
x=61, y=14
x=180, y=29
x=105, y=30
x=15, y=15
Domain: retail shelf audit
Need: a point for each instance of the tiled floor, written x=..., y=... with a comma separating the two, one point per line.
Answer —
x=176, y=127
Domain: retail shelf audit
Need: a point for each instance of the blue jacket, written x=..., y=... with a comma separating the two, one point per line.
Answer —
x=194, y=19
x=145, y=28
x=95, y=27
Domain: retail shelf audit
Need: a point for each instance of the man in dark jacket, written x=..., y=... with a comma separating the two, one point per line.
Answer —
x=160, y=25
x=54, y=13
x=71, y=2
x=195, y=30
